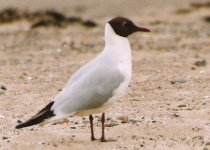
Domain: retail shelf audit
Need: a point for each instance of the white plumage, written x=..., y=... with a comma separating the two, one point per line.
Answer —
x=98, y=84
x=104, y=80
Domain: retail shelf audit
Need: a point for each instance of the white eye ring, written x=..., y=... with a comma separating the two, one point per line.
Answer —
x=124, y=24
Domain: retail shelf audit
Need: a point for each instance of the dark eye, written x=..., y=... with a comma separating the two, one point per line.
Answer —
x=125, y=24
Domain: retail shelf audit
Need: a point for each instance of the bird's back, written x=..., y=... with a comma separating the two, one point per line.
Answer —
x=90, y=90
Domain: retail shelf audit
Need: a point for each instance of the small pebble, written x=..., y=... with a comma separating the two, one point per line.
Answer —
x=98, y=118
x=111, y=124
x=43, y=143
x=134, y=121
x=4, y=137
x=153, y=121
x=85, y=121
x=205, y=148
x=182, y=105
x=178, y=81
x=109, y=118
x=2, y=117
x=142, y=145
x=207, y=19
x=123, y=118
x=19, y=121
x=29, y=78
x=200, y=63
x=59, y=50
x=3, y=87
x=175, y=115
x=193, y=67
x=76, y=122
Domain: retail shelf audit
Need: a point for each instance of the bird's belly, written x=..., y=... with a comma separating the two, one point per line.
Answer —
x=117, y=94
x=92, y=111
x=122, y=88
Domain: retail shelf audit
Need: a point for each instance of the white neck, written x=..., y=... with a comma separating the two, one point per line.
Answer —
x=116, y=46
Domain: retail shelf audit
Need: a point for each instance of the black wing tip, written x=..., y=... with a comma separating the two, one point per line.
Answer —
x=30, y=122
x=19, y=126
x=45, y=113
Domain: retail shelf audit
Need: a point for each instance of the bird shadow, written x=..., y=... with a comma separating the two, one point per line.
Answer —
x=109, y=140
x=84, y=141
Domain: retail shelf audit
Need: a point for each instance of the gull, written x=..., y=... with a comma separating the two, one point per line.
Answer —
x=98, y=84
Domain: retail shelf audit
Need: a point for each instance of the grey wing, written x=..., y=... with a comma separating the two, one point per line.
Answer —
x=77, y=75
x=91, y=90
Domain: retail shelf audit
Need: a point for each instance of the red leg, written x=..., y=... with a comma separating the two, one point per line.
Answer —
x=91, y=127
x=102, y=126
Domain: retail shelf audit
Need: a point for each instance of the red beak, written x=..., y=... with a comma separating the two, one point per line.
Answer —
x=140, y=29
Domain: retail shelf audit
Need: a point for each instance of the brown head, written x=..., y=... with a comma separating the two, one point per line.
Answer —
x=125, y=27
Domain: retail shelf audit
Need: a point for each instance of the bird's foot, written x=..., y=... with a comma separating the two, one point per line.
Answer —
x=93, y=138
x=102, y=139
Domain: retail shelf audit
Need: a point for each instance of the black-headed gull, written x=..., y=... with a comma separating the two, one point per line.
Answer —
x=99, y=83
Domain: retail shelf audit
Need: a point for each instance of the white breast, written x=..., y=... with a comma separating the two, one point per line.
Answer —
x=117, y=50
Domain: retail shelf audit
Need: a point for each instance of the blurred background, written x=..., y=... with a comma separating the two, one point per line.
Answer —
x=174, y=23
x=43, y=42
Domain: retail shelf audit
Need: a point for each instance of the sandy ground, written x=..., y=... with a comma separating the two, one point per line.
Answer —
x=168, y=102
